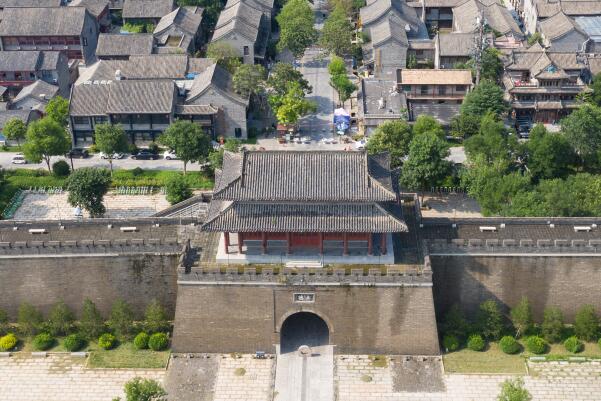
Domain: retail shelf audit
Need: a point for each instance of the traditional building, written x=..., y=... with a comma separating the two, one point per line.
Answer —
x=19, y=69
x=496, y=17
x=335, y=205
x=146, y=11
x=114, y=46
x=179, y=30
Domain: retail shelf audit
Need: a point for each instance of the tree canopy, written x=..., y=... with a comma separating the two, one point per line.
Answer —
x=549, y=155
x=45, y=138
x=282, y=75
x=337, y=33
x=426, y=123
x=58, y=110
x=297, y=31
x=225, y=55
x=15, y=130
x=293, y=105
x=582, y=129
x=339, y=79
x=485, y=97
x=392, y=137
x=110, y=139
x=187, y=140
x=87, y=187
x=249, y=79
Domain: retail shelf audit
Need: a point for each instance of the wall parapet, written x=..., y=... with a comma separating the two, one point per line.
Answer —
x=510, y=246
x=141, y=245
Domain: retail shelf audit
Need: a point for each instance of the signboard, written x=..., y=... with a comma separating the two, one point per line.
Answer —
x=304, y=297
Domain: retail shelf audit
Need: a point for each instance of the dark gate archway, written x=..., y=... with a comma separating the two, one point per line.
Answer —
x=303, y=328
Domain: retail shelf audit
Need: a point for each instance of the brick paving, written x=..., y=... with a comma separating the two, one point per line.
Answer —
x=60, y=377
x=54, y=207
x=255, y=384
x=357, y=380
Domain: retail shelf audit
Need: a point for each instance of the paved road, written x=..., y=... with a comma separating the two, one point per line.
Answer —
x=96, y=161
x=308, y=378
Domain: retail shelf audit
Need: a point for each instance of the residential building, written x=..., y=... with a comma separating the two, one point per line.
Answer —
x=435, y=92
x=180, y=30
x=377, y=11
x=536, y=11
x=454, y=48
x=592, y=27
x=265, y=6
x=22, y=68
x=438, y=13
x=29, y=3
x=114, y=46
x=421, y=53
x=72, y=30
x=379, y=101
x=244, y=28
x=387, y=49
x=146, y=11
x=543, y=85
x=496, y=16
x=34, y=97
x=561, y=34
x=27, y=116
x=99, y=9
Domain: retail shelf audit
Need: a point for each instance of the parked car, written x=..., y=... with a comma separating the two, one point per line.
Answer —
x=170, y=155
x=78, y=153
x=19, y=159
x=116, y=156
x=360, y=145
x=145, y=154
x=306, y=139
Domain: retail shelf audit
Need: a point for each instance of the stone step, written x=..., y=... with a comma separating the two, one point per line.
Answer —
x=303, y=263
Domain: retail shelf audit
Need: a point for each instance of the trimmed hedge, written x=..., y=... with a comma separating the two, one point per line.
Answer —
x=141, y=341
x=8, y=342
x=509, y=345
x=43, y=341
x=107, y=341
x=158, y=341
x=73, y=342
x=536, y=345
x=476, y=342
x=450, y=343
x=573, y=345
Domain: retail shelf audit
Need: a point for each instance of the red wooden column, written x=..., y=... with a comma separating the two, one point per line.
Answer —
x=240, y=242
x=321, y=243
x=370, y=244
x=345, y=244
x=383, y=243
x=227, y=242
x=263, y=243
x=289, y=243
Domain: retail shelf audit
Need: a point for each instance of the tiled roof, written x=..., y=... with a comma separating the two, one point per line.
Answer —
x=581, y=8
x=265, y=6
x=558, y=26
x=195, y=109
x=187, y=19
x=95, y=7
x=496, y=15
x=386, y=30
x=153, y=66
x=435, y=3
x=240, y=18
x=456, y=44
x=213, y=75
x=51, y=21
x=36, y=90
x=30, y=3
x=442, y=112
x=337, y=176
x=295, y=217
x=28, y=60
x=6, y=115
x=370, y=93
x=375, y=10
x=89, y=100
x=435, y=77
x=124, y=45
x=133, y=9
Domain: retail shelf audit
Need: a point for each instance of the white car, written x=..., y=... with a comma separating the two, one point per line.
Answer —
x=19, y=159
x=360, y=145
x=116, y=156
x=170, y=155
x=306, y=139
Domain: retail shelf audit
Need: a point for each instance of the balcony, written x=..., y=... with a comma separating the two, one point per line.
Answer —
x=435, y=96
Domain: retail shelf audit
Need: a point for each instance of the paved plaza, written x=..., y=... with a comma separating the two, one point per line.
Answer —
x=451, y=206
x=55, y=207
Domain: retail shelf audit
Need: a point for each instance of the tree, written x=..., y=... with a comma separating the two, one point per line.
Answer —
x=489, y=320
x=492, y=141
x=586, y=323
x=552, y=327
x=513, y=390
x=337, y=33
x=465, y=125
x=138, y=389
x=282, y=75
x=122, y=318
x=426, y=165
x=596, y=87
x=177, y=189
x=249, y=80
x=29, y=318
x=393, y=137
x=343, y=86
x=225, y=55
x=4, y=325
x=155, y=317
x=535, y=38
x=492, y=66
x=216, y=157
x=91, y=323
x=45, y=138
x=58, y=110
x=187, y=140
x=297, y=32
x=15, y=130
x=549, y=154
x=110, y=139
x=426, y=123
x=337, y=66
x=484, y=98
x=294, y=105
x=87, y=187
x=521, y=317
x=582, y=129
x=455, y=323
x=60, y=319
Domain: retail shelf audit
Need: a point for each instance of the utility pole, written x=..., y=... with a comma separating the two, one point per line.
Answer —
x=480, y=45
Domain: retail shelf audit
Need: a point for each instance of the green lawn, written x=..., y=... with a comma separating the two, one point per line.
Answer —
x=127, y=356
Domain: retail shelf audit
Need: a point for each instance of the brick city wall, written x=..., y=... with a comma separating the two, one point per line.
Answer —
x=42, y=281
x=567, y=282
x=235, y=317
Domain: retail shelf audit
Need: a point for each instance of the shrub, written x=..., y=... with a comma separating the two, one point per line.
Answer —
x=73, y=342
x=450, y=343
x=29, y=319
x=521, y=317
x=43, y=341
x=476, y=342
x=153, y=148
x=8, y=342
x=158, y=341
x=3, y=322
x=60, y=319
x=536, y=345
x=513, y=390
x=138, y=389
x=455, y=323
x=155, y=317
x=141, y=341
x=61, y=168
x=553, y=326
x=490, y=320
x=509, y=345
x=177, y=189
x=91, y=324
x=121, y=321
x=586, y=323
x=107, y=341
x=573, y=345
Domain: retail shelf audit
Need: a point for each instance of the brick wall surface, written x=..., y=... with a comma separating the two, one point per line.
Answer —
x=42, y=281
x=246, y=318
x=566, y=282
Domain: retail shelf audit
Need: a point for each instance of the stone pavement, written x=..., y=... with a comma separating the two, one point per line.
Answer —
x=358, y=380
x=60, y=377
x=54, y=207
x=243, y=378
x=305, y=378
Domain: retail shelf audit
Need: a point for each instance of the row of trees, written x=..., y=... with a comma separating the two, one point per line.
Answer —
x=339, y=79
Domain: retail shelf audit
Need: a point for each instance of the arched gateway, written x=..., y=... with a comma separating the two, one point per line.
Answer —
x=303, y=328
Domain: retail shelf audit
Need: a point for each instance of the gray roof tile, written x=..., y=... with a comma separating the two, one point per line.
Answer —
x=124, y=45
x=51, y=21
x=133, y=9
x=185, y=19
x=141, y=97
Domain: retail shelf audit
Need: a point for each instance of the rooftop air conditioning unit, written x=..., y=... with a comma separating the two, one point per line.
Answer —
x=488, y=229
x=579, y=229
x=129, y=229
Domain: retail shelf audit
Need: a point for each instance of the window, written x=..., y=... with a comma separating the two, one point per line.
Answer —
x=406, y=88
x=424, y=89
x=459, y=88
x=442, y=90
x=81, y=120
x=238, y=132
x=246, y=51
x=160, y=118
